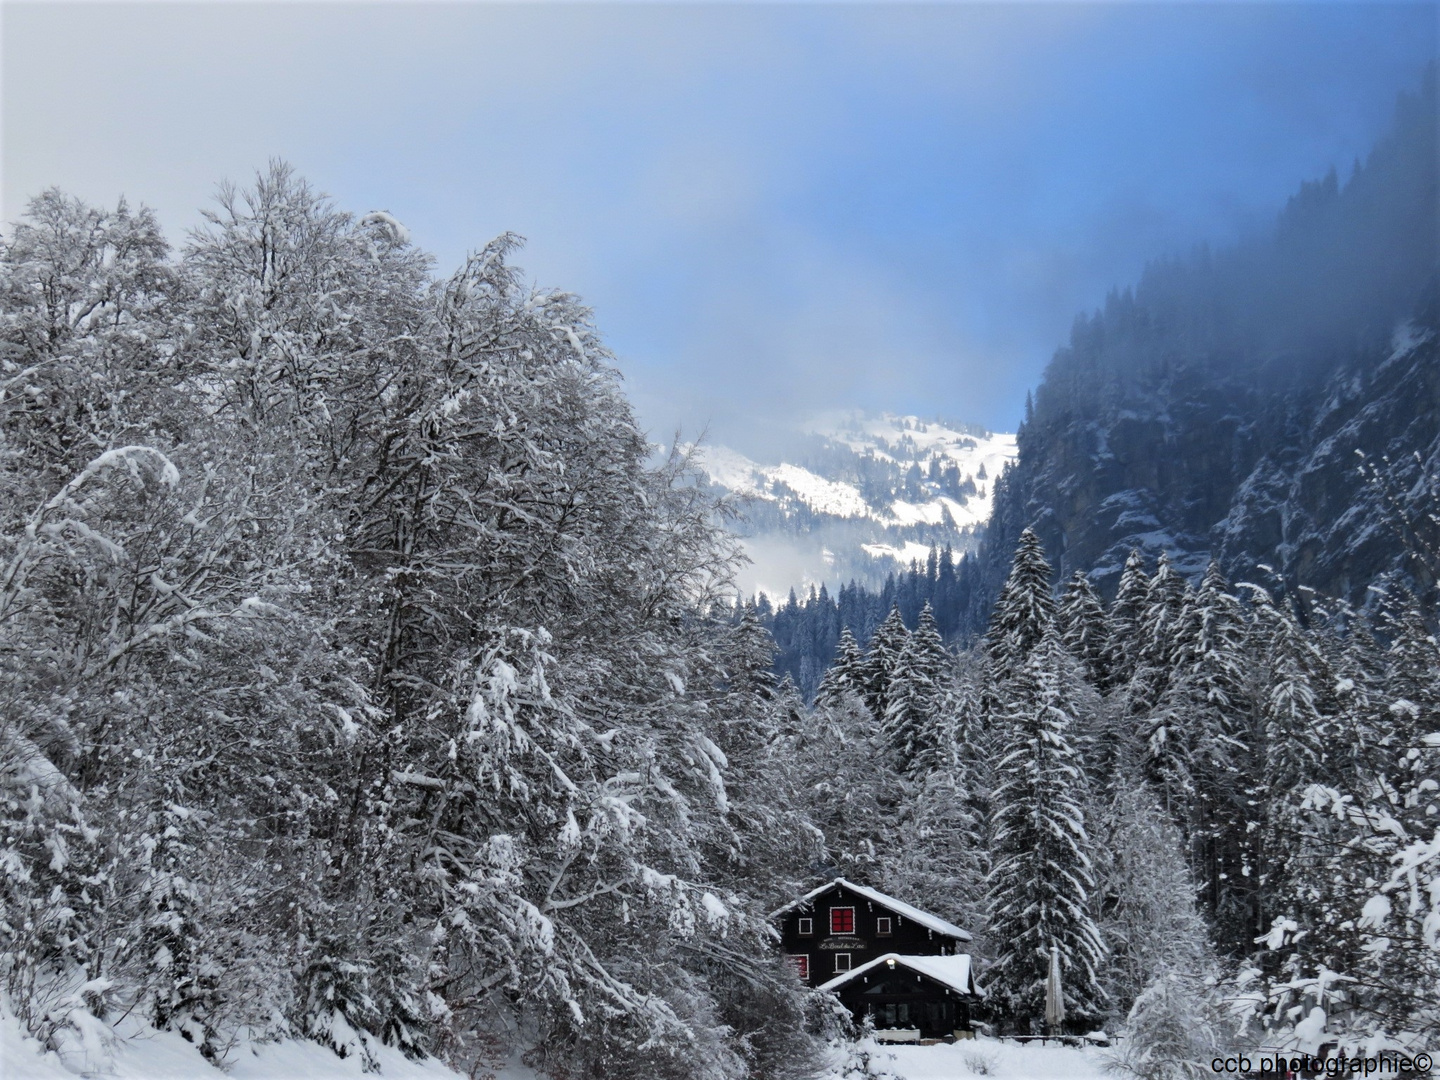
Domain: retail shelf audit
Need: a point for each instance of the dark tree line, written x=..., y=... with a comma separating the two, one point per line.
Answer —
x=807, y=631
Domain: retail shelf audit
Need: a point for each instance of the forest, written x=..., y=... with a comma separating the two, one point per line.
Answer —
x=368, y=677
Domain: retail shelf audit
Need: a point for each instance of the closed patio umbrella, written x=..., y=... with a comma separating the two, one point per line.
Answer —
x=1054, y=998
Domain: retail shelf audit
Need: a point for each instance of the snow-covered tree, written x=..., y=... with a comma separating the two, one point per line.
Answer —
x=1085, y=628
x=1041, y=879
x=1125, y=617
x=887, y=645
x=1201, y=725
x=356, y=676
x=1025, y=610
x=845, y=673
x=1144, y=899
x=1177, y=1027
x=914, y=722
x=1164, y=634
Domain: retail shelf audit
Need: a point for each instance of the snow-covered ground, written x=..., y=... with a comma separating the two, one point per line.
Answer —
x=163, y=1055
x=998, y=1058
x=152, y=1055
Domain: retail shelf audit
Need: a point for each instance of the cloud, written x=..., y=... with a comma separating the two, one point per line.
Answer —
x=890, y=206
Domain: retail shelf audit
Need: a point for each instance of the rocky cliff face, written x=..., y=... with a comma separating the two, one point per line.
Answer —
x=1353, y=502
x=1217, y=410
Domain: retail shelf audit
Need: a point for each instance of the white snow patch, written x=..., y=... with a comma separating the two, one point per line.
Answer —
x=732, y=470
x=1375, y=912
x=142, y=1053
x=396, y=231
x=824, y=496
x=1310, y=1031
x=902, y=438
x=1002, y=1058
x=910, y=551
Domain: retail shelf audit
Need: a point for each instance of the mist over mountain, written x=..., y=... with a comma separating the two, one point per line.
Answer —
x=857, y=497
x=1220, y=408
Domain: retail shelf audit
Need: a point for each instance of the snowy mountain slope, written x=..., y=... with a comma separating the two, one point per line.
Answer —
x=861, y=496
x=1223, y=407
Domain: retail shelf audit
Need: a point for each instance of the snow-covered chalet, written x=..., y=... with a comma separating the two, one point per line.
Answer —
x=880, y=956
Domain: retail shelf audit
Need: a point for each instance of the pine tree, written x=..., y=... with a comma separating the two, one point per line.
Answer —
x=1039, y=886
x=886, y=647
x=1208, y=707
x=1125, y=617
x=850, y=791
x=1085, y=629
x=1163, y=636
x=749, y=662
x=913, y=719
x=845, y=675
x=1286, y=737
x=1025, y=610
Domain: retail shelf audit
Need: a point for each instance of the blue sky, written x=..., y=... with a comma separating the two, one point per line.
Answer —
x=773, y=208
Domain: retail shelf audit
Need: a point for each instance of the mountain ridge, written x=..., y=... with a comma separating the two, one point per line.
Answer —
x=1216, y=409
x=858, y=497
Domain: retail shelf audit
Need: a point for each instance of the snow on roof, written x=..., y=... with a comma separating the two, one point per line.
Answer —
x=924, y=918
x=951, y=971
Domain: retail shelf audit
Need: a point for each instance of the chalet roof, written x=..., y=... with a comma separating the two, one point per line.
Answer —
x=924, y=918
x=951, y=971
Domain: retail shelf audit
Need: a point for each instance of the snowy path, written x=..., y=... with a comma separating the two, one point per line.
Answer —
x=1000, y=1059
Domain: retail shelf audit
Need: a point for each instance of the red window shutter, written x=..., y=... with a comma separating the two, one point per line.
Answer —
x=842, y=920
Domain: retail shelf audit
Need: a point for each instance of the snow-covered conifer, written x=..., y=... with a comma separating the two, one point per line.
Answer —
x=845, y=673
x=886, y=646
x=1125, y=615
x=1084, y=628
x=1164, y=635
x=1025, y=610
x=917, y=692
x=1041, y=879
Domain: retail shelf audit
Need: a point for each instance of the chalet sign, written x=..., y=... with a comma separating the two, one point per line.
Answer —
x=845, y=944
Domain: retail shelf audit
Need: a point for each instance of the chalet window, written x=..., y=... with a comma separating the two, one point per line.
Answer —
x=807, y=927
x=842, y=961
x=894, y=1014
x=842, y=921
x=882, y=927
x=802, y=965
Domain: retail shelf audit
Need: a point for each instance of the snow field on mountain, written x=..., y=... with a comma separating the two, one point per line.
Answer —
x=823, y=496
x=910, y=551
x=899, y=440
x=905, y=438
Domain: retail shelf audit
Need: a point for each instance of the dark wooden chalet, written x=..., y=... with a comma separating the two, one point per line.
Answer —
x=926, y=997
x=882, y=956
